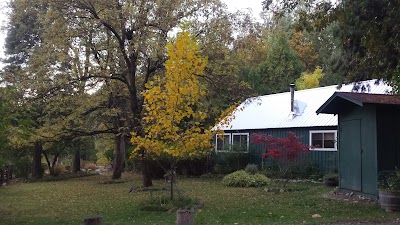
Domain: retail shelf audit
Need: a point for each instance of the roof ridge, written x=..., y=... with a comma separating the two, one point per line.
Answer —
x=313, y=89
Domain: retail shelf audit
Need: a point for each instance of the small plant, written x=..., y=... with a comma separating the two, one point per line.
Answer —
x=243, y=179
x=163, y=203
x=331, y=179
x=390, y=181
x=251, y=169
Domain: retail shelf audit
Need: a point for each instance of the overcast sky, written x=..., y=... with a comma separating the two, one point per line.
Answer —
x=233, y=5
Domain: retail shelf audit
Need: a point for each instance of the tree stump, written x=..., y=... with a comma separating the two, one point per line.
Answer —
x=92, y=220
x=185, y=217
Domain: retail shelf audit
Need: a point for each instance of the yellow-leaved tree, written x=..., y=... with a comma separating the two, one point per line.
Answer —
x=309, y=80
x=174, y=116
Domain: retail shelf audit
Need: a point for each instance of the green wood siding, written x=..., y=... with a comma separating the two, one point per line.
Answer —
x=357, y=150
x=325, y=160
x=388, y=131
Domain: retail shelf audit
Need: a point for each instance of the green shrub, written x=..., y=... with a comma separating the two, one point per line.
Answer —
x=243, y=179
x=251, y=168
x=300, y=169
x=260, y=180
x=228, y=162
x=22, y=167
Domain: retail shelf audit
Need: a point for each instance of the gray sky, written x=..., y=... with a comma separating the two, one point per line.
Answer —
x=233, y=5
x=254, y=5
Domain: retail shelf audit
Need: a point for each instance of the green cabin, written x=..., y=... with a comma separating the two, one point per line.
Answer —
x=293, y=111
x=368, y=138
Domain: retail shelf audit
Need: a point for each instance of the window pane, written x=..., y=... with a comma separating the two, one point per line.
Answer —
x=220, y=144
x=329, y=136
x=317, y=143
x=243, y=140
x=329, y=140
x=316, y=140
x=239, y=142
x=329, y=144
x=317, y=136
x=236, y=140
x=226, y=142
x=223, y=142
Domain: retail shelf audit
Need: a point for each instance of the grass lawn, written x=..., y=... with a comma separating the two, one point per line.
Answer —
x=69, y=201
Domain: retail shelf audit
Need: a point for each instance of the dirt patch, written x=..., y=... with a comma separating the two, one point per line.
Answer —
x=349, y=197
x=356, y=199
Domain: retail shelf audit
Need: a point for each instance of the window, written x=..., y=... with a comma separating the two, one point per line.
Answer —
x=235, y=142
x=240, y=142
x=223, y=142
x=323, y=140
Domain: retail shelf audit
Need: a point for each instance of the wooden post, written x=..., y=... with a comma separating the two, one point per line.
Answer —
x=92, y=220
x=1, y=176
x=185, y=217
x=5, y=174
x=11, y=171
x=8, y=173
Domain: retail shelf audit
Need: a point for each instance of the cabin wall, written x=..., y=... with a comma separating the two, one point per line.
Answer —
x=326, y=161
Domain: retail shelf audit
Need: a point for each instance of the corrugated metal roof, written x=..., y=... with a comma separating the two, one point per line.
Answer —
x=273, y=111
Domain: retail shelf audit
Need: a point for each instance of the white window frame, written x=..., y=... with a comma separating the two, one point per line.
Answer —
x=216, y=141
x=231, y=141
x=242, y=134
x=323, y=131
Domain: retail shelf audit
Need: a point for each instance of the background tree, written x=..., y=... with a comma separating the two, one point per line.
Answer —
x=174, y=113
x=215, y=35
x=112, y=46
x=357, y=40
x=309, y=80
x=371, y=37
x=282, y=65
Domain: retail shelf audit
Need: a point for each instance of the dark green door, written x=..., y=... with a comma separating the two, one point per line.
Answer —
x=350, y=155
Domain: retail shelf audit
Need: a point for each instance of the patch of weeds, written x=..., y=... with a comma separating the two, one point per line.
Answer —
x=211, y=176
x=281, y=190
x=163, y=203
x=112, y=181
x=64, y=176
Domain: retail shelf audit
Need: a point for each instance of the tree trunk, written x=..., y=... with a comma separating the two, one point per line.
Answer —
x=146, y=173
x=48, y=163
x=119, y=156
x=76, y=165
x=37, y=171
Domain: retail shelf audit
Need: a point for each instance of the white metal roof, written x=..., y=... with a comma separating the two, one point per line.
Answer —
x=273, y=111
